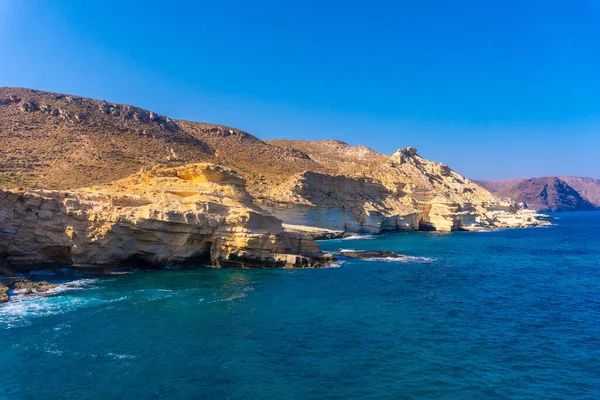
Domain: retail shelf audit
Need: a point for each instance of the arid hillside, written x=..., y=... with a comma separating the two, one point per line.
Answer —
x=588, y=188
x=335, y=154
x=62, y=141
x=550, y=193
x=55, y=141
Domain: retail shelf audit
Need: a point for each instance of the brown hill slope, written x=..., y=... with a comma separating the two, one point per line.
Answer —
x=61, y=141
x=261, y=163
x=542, y=194
x=588, y=188
x=335, y=154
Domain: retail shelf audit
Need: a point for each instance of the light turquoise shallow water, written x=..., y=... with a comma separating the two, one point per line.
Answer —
x=505, y=314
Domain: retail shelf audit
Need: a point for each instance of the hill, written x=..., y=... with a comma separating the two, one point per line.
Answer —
x=61, y=141
x=58, y=141
x=550, y=193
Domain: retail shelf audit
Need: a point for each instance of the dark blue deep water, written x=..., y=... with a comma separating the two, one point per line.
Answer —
x=509, y=314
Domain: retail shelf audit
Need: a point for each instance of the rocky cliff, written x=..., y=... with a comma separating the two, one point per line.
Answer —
x=81, y=188
x=163, y=216
x=405, y=192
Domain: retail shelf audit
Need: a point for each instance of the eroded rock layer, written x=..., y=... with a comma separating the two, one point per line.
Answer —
x=406, y=192
x=197, y=213
x=250, y=202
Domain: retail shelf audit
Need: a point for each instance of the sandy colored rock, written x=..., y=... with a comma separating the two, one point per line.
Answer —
x=3, y=293
x=196, y=213
x=221, y=196
x=406, y=192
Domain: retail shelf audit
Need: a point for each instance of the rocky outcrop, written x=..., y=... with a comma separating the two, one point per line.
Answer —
x=406, y=192
x=4, y=292
x=199, y=213
x=186, y=212
x=370, y=254
x=11, y=284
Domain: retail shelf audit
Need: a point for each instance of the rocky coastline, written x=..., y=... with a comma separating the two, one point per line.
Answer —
x=246, y=204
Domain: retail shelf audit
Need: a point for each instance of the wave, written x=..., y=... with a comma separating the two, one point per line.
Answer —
x=351, y=237
x=358, y=237
x=20, y=313
x=79, y=284
x=336, y=264
x=117, y=356
x=403, y=259
x=21, y=309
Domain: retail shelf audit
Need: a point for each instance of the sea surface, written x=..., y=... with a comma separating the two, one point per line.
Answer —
x=508, y=314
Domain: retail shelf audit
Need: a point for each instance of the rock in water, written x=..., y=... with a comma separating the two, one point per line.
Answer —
x=22, y=286
x=371, y=254
x=3, y=293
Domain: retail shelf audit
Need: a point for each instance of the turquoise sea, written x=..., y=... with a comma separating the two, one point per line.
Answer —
x=509, y=314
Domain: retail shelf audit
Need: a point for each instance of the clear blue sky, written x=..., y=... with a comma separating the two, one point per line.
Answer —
x=496, y=89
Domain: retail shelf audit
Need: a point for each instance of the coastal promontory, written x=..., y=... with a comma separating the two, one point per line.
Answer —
x=95, y=185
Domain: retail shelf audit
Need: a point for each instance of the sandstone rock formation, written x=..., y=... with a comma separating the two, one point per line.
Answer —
x=3, y=292
x=221, y=196
x=405, y=192
x=163, y=216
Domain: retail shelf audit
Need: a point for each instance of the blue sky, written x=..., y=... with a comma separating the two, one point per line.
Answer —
x=498, y=89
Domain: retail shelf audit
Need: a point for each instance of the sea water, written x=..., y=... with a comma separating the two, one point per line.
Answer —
x=511, y=314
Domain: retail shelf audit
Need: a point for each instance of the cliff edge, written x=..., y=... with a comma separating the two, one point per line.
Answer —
x=98, y=185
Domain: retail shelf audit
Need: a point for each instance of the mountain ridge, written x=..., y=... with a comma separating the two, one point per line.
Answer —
x=550, y=193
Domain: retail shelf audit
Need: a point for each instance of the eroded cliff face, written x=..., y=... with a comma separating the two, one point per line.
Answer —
x=406, y=192
x=204, y=213
x=199, y=213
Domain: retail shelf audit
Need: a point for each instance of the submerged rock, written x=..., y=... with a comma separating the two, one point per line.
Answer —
x=3, y=292
x=22, y=286
x=25, y=286
x=371, y=254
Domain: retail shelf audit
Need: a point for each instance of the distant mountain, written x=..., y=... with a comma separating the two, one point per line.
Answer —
x=588, y=188
x=564, y=193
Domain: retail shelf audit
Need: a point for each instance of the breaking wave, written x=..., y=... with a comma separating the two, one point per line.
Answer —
x=404, y=259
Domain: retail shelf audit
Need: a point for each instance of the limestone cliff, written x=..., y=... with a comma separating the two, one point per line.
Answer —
x=197, y=213
x=406, y=192
x=226, y=211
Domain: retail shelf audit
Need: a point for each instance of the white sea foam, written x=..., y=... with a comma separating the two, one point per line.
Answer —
x=79, y=284
x=336, y=264
x=21, y=309
x=358, y=237
x=117, y=356
x=351, y=237
x=403, y=259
